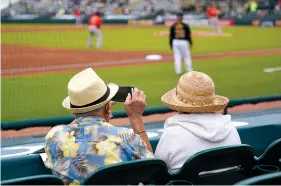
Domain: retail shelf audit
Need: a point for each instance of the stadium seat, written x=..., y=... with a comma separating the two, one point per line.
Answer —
x=34, y=180
x=259, y=137
x=272, y=155
x=270, y=160
x=149, y=171
x=267, y=179
x=22, y=166
x=222, y=165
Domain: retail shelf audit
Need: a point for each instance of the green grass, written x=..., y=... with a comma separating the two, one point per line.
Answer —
x=244, y=38
x=40, y=96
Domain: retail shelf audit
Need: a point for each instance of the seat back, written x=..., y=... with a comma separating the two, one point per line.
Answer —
x=236, y=163
x=267, y=179
x=272, y=155
x=149, y=171
x=22, y=166
x=34, y=180
x=259, y=137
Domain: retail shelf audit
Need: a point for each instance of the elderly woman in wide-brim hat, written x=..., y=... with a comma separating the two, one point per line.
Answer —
x=198, y=125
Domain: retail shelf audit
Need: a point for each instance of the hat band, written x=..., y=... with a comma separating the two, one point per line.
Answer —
x=102, y=99
x=192, y=102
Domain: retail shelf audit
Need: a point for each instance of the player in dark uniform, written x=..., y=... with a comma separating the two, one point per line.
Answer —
x=180, y=43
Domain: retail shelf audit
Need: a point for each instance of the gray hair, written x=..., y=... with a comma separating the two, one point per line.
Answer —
x=91, y=113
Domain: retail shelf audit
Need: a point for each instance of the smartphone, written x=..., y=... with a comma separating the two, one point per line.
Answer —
x=122, y=93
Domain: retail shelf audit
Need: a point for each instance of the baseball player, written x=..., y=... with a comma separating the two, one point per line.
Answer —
x=78, y=17
x=95, y=22
x=180, y=43
x=212, y=13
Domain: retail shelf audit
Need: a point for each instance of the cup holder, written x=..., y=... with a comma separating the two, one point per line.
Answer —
x=179, y=182
x=264, y=169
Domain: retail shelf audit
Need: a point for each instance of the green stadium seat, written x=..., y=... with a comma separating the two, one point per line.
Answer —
x=272, y=155
x=34, y=180
x=148, y=171
x=223, y=165
x=259, y=137
x=267, y=179
x=270, y=160
x=22, y=166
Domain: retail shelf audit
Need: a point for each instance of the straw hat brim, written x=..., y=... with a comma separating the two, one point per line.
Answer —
x=171, y=101
x=113, y=90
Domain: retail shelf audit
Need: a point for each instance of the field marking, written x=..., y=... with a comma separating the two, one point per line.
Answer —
x=78, y=66
x=104, y=64
x=269, y=70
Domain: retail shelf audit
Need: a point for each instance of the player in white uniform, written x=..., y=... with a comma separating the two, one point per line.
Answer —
x=181, y=42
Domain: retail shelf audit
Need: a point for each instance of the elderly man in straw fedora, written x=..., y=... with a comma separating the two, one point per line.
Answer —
x=76, y=150
x=198, y=125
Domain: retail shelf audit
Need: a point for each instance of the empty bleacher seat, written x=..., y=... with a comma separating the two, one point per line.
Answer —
x=22, y=166
x=270, y=160
x=267, y=179
x=34, y=180
x=259, y=137
x=149, y=171
x=222, y=165
x=272, y=155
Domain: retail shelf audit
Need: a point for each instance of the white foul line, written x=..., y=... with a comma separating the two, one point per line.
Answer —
x=269, y=70
x=78, y=65
x=116, y=62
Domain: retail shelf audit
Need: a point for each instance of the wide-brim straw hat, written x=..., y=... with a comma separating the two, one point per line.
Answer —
x=195, y=93
x=88, y=92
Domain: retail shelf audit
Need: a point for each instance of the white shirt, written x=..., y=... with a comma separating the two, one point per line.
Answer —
x=187, y=134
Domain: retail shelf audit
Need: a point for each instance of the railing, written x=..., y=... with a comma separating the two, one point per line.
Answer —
x=50, y=122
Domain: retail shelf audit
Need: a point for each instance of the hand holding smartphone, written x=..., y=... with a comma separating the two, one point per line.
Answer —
x=133, y=98
x=123, y=93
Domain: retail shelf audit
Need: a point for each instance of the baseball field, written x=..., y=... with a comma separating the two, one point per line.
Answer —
x=39, y=60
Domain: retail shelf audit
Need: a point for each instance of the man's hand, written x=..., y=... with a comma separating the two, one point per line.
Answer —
x=135, y=105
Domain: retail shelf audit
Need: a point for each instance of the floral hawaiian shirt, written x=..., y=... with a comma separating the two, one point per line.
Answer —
x=75, y=151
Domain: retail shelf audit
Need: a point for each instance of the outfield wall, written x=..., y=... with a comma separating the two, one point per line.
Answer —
x=51, y=122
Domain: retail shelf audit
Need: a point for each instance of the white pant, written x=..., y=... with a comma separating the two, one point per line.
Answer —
x=181, y=49
x=215, y=25
x=95, y=31
x=79, y=20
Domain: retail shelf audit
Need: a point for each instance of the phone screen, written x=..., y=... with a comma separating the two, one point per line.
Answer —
x=122, y=93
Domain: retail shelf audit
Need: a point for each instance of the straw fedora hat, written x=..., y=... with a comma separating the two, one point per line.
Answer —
x=88, y=92
x=195, y=93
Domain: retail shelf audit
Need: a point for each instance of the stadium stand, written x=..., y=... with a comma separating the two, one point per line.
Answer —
x=134, y=7
x=272, y=155
x=239, y=161
x=252, y=164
